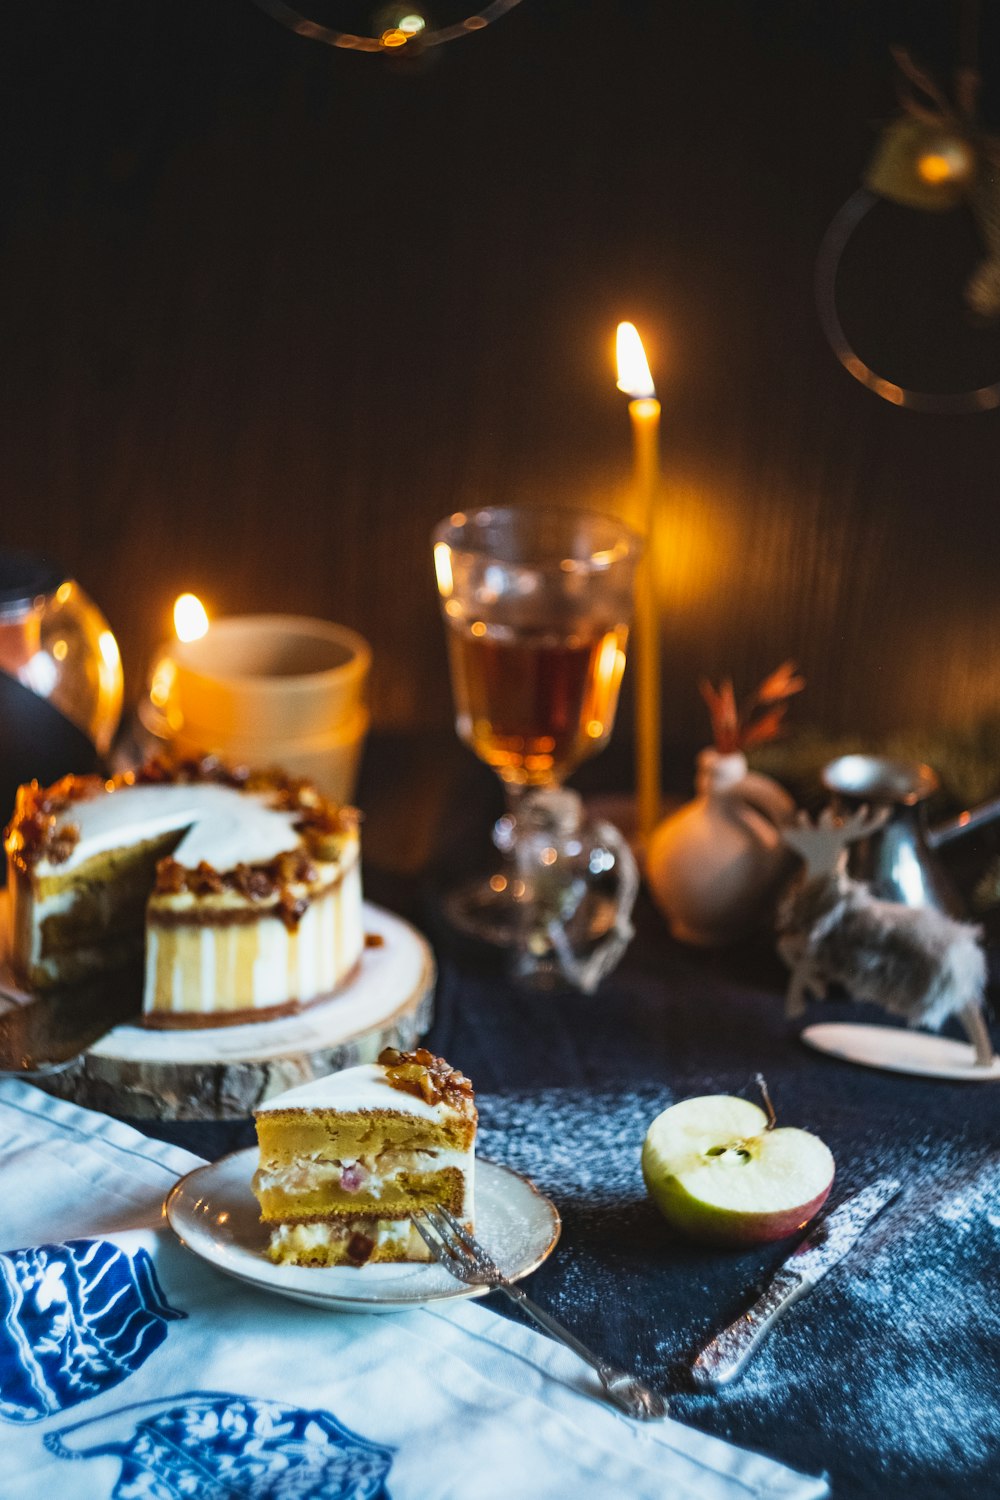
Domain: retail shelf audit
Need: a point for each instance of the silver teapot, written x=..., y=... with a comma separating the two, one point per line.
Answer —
x=898, y=860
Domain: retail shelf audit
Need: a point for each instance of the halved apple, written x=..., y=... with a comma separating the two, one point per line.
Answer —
x=719, y=1174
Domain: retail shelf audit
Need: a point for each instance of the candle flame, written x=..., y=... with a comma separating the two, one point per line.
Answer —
x=633, y=367
x=190, y=618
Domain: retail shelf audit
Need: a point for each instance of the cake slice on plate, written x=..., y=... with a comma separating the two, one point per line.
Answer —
x=347, y=1160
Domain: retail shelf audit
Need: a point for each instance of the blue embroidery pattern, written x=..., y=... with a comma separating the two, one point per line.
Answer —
x=209, y=1445
x=75, y=1320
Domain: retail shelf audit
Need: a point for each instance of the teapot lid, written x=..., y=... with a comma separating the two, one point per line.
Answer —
x=24, y=576
x=878, y=778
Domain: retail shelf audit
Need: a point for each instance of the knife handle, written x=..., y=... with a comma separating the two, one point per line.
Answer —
x=727, y=1354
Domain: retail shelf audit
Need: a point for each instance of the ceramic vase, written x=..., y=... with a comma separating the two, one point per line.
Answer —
x=714, y=867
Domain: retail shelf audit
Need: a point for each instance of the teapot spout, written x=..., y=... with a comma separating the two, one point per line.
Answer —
x=966, y=822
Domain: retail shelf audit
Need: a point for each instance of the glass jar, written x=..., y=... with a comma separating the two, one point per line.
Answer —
x=55, y=642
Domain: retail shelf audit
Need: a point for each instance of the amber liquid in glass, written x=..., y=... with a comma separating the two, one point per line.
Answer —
x=533, y=704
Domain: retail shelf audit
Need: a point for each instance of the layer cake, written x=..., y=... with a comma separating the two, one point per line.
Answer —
x=345, y=1161
x=244, y=889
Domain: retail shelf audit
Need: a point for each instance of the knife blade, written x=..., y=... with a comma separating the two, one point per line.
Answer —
x=827, y=1242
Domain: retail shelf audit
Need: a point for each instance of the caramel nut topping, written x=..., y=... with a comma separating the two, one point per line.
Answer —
x=295, y=867
x=285, y=793
x=359, y=1248
x=256, y=882
x=171, y=878
x=62, y=845
x=425, y=1076
x=291, y=909
x=36, y=831
x=204, y=880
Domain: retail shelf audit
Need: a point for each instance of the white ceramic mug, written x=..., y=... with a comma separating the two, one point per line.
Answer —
x=281, y=690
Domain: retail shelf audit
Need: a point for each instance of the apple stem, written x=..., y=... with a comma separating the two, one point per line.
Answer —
x=772, y=1118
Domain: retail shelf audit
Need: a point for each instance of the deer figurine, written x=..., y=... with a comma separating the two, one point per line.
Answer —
x=915, y=962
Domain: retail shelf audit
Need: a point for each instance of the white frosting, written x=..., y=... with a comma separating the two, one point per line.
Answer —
x=226, y=827
x=354, y=1090
x=300, y=964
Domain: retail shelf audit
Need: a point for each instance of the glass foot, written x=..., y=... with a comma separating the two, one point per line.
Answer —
x=487, y=909
x=561, y=907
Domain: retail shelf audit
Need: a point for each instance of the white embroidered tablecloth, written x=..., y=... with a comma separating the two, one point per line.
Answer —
x=129, y=1368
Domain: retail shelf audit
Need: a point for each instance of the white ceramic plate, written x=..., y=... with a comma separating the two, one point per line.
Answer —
x=214, y=1213
x=900, y=1051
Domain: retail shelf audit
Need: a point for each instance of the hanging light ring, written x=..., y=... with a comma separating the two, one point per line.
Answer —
x=394, y=38
x=835, y=241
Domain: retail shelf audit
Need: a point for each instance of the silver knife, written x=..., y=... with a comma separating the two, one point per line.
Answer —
x=827, y=1242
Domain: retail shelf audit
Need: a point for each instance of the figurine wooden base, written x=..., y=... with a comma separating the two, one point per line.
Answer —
x=222, y=1073
x=896, y=1049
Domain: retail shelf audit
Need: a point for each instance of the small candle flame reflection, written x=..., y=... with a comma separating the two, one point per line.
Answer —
x=442, y=567
x=190, y=618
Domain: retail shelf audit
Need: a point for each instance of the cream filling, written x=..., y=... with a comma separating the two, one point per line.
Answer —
x=52, y=906
x=308, y=1174
x=312, y=1236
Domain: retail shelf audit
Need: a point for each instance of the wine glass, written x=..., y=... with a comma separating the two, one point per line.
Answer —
x=536, y=604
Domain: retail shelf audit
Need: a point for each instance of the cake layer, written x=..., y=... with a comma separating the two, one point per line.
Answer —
x=313, y=1166
x=294, y=1137
x=71, y=926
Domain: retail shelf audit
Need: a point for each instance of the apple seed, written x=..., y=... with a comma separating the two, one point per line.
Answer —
x=737, y=1150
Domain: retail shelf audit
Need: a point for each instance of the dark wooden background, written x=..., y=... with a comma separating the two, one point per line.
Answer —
x=269, y=310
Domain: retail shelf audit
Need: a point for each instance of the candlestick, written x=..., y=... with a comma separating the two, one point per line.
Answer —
x=644, y=413
x=645, y=417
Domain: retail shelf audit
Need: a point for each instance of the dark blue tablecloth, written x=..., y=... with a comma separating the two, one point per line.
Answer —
x=887, y=1376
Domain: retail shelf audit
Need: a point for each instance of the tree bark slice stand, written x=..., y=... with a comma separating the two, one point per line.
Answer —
x=224, y=1072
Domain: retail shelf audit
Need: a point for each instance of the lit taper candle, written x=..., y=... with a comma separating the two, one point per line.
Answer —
x=636, y=381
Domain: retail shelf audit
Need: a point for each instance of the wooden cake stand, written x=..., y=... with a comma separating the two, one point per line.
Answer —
x=223, y=1072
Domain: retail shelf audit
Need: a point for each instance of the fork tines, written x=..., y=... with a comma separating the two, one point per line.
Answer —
x=451, y=1244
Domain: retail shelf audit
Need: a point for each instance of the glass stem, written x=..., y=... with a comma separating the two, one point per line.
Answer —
x=513, y=796
x=506, y=829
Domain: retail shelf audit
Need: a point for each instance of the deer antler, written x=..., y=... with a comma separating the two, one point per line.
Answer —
x=859, y=825
x=822, y=843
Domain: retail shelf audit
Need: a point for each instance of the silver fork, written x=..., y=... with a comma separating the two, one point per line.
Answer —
x=453, y=1247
